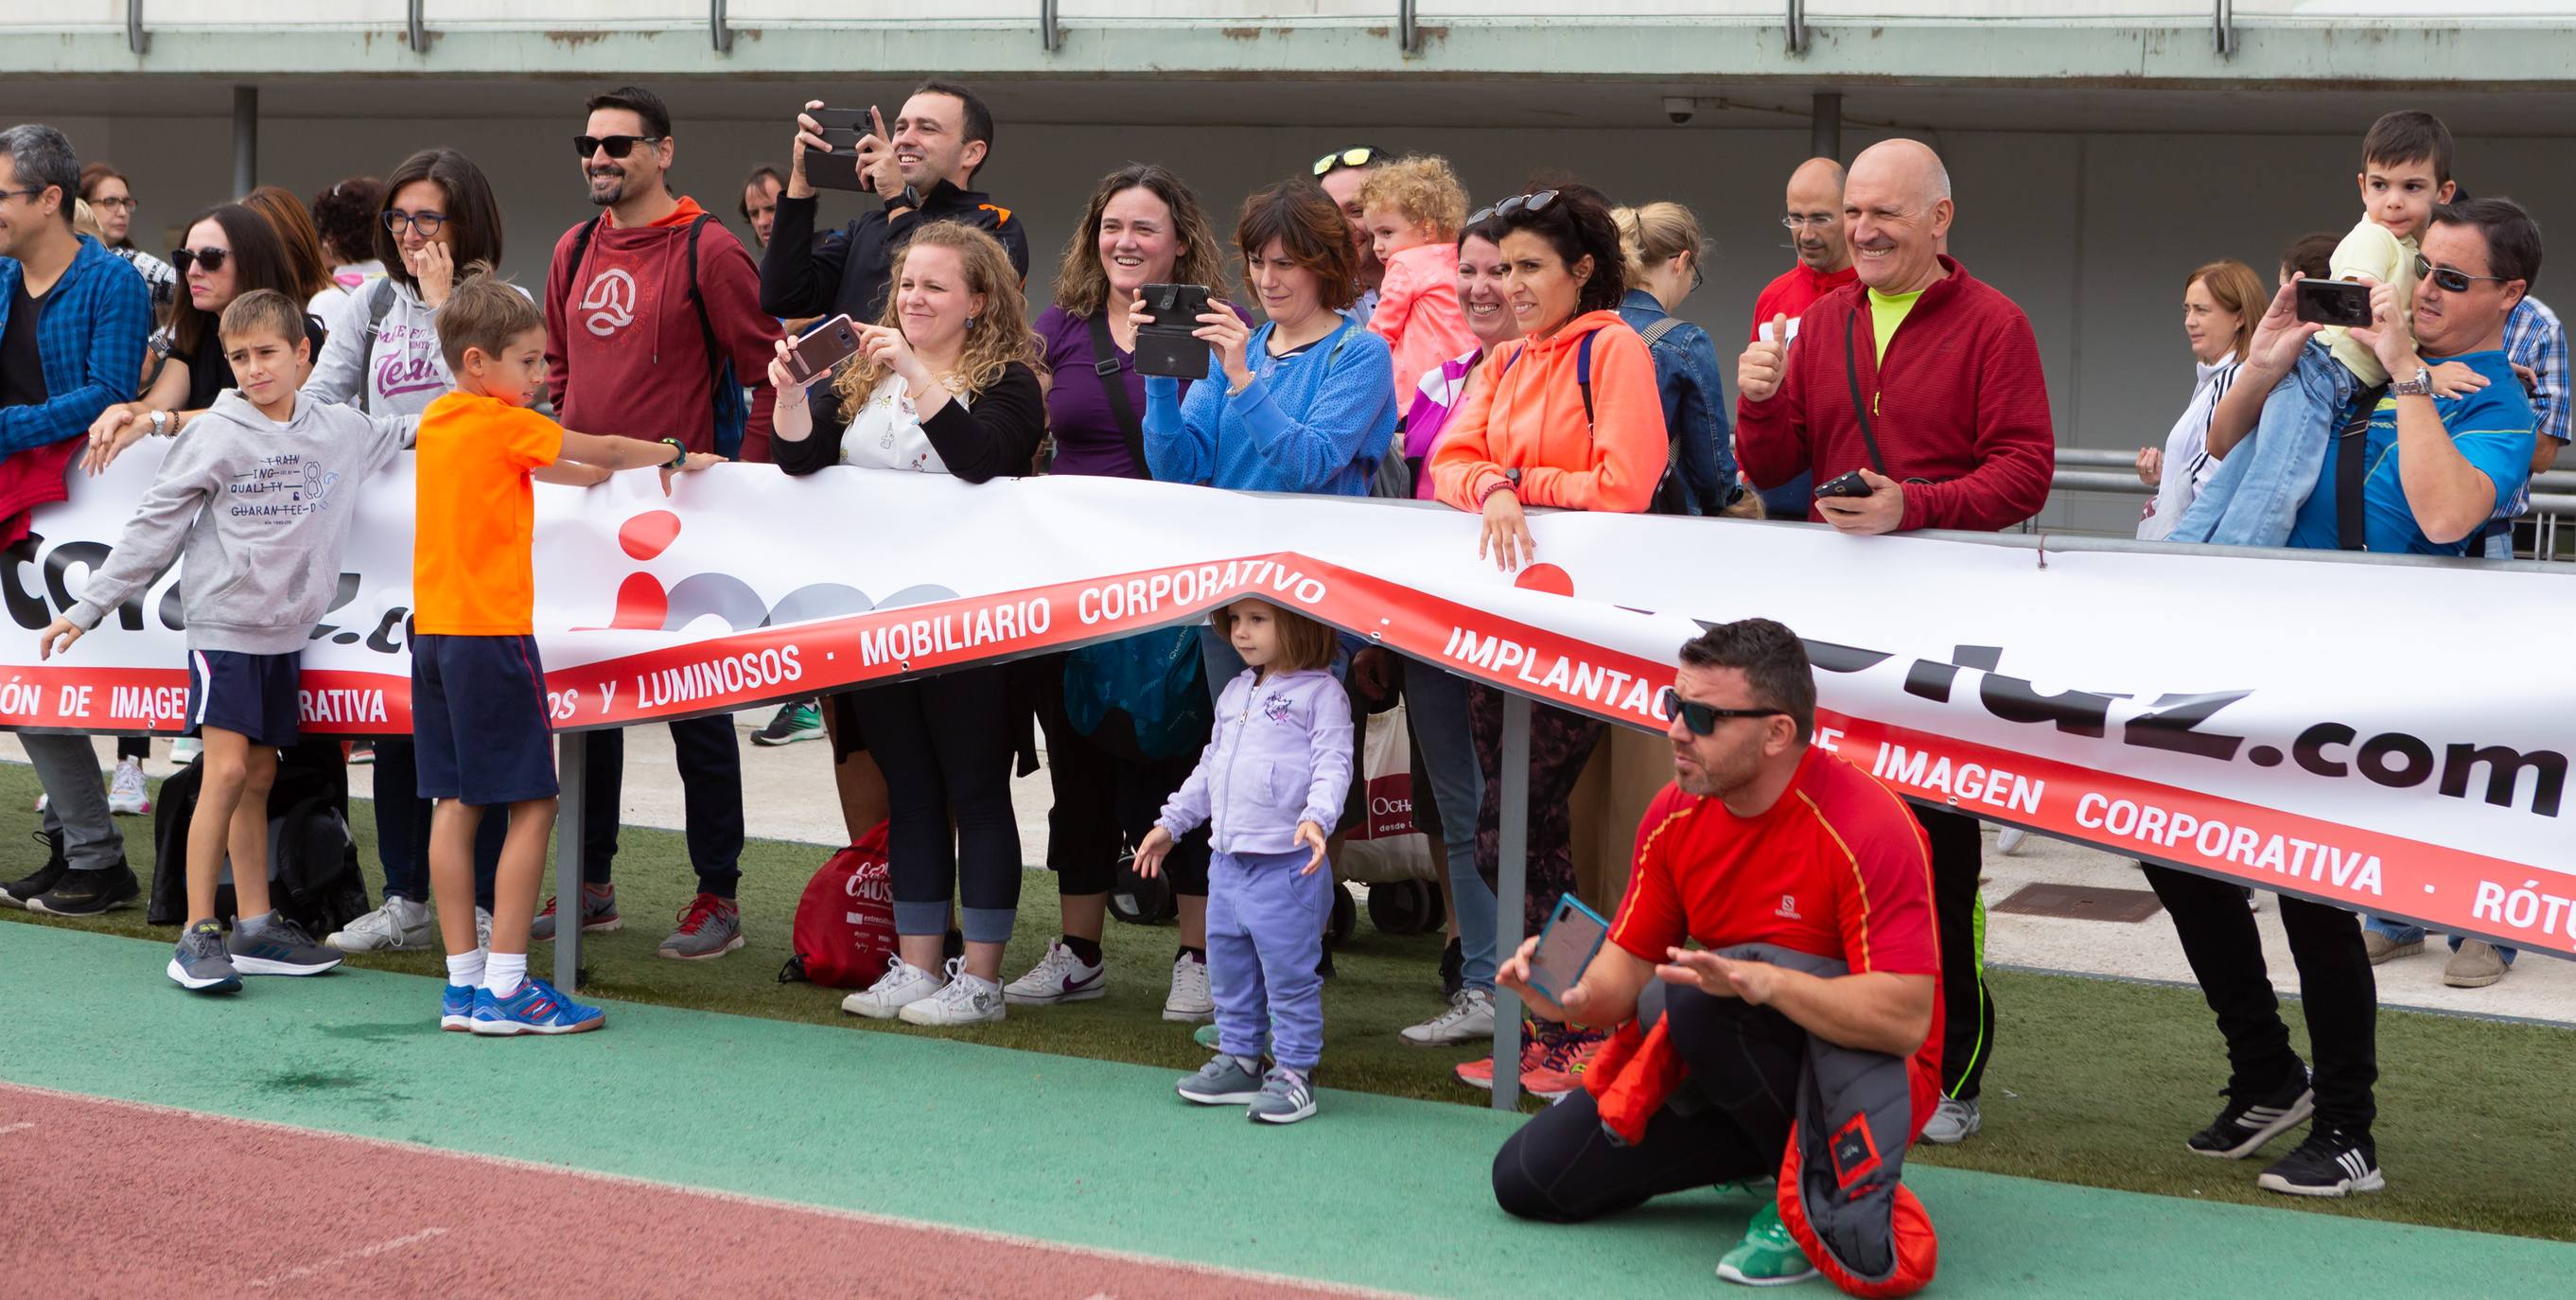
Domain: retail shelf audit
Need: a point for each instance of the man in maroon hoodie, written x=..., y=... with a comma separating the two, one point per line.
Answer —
x=1926, y=384
x=636, y=343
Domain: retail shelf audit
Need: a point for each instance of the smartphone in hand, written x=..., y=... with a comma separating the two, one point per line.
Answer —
x=2334, y=302
x=821, y=348
x=1573, y=937
x=1843, y=485
x=841, y=129
x=1165, y=346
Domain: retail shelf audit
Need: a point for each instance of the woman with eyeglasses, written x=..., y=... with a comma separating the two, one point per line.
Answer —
x=437, y=225
x=1570, y=417
x=1663, y=246
x=111, y=200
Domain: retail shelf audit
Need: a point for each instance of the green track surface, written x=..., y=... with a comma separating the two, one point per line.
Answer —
x=1375, y=1191
x=2092, y=1082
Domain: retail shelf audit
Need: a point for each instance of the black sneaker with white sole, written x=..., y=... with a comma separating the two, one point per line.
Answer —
x=2329, y=1163
x=17, y=892
x=2248, y=1122
x=88, y=893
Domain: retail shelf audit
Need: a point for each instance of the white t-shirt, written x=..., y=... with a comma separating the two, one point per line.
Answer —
x=886, y=431
x=2188, y=464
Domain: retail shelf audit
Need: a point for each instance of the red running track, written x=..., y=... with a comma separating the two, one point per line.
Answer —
x=116, y=1199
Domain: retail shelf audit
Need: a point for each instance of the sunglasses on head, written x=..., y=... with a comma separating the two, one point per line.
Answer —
x=617, y=146
x=1356, y=156
x=1517, y=203
x=1702, y=719
x=210, y=258
x=2450, y=281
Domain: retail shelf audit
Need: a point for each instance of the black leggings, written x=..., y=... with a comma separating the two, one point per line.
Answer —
x=1729, y=1122
x=1967, y=1008
x=945, y=745
x=1105, y=801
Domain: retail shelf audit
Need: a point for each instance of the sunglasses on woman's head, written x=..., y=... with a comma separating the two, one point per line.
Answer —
x=210, y=258
x=1702, y=719
x=1357, y=156
x=617, y=146
x=1519, y=202
x=2451, y=281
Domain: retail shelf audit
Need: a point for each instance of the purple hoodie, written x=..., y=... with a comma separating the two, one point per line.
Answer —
x=1281, y=755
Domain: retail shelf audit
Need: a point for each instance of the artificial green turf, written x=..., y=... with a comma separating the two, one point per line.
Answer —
x=2092, y=1081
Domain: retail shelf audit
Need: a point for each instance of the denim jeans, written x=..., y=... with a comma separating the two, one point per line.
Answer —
x=2259, y=487
x=2399, y=932
x=1436, y=702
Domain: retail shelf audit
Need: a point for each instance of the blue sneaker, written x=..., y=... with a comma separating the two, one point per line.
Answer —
x=535, y=1009
x=456, y=1008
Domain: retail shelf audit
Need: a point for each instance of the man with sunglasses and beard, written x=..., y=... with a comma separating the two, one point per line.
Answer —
x=645, y=304
x=1779, y=892
x=73, y=317
x=2430, y=469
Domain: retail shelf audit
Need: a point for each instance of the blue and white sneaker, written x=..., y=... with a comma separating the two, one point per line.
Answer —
x=456, y=1008
x=535, y=1009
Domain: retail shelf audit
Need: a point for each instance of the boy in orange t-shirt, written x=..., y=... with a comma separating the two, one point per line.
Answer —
x=478, y=690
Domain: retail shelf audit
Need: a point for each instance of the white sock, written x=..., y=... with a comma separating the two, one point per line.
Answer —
x=465, y=969
x=504, y=972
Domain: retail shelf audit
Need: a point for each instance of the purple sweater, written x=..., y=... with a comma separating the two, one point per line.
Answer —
x=1281, y=755
x=1087, y=437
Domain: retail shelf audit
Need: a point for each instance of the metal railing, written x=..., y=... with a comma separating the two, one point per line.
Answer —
x=2547, y=532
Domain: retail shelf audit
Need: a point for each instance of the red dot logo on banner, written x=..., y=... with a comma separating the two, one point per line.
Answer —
x=649, y=534
x=641, y=602
x=1545, y=577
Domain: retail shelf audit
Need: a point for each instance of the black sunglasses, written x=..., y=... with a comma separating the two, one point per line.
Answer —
x=2451, y=281
x=1355, y=156
x=1702, y=719
x=617, y=146
x=210, y=258
x=1519, y=202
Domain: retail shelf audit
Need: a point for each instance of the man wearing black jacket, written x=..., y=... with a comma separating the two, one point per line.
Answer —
x=921, y=172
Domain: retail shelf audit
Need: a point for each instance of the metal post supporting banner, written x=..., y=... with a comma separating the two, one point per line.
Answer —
x=1511, y=885
x=572, y=752
x=245, y=140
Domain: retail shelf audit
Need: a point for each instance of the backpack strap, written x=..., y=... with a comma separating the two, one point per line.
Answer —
x=706, y=328
x=378, y=307
x=1654, y=333
x=1583, y=373
x=1104, y=350
x=2352, y=445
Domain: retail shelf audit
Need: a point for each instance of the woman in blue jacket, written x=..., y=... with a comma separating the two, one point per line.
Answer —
x=1663, y=246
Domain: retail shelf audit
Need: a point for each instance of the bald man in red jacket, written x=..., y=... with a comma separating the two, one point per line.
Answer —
x=1925, y=382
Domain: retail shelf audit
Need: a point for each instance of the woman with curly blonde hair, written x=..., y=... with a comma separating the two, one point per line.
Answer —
x=944, y=384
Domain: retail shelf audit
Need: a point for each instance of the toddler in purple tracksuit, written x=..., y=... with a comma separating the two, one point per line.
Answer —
x=1273, y=779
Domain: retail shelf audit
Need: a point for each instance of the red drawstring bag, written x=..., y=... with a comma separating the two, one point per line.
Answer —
x=844, y=934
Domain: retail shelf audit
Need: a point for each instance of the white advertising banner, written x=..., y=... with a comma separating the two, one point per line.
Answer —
x=2359, y=734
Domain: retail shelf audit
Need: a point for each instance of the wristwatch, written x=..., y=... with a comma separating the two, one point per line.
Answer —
x=679, y=453
x=160, y=424
x=2420, y=386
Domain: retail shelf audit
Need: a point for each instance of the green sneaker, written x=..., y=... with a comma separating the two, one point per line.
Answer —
x=1768, y=1255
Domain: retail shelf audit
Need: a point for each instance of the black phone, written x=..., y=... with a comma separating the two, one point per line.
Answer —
x=841, y=129
x=822, y=347
x=1846, y=485
x=1164, y=345
x=2334, y=302
x=1566, y=947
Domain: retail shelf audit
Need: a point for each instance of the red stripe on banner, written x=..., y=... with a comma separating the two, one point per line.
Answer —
x=135, y=700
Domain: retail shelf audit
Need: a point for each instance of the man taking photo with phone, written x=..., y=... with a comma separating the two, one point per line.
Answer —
x=1777, y=921
x=918, y=168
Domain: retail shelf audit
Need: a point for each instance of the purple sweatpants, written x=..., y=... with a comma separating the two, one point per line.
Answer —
x=1265, y=929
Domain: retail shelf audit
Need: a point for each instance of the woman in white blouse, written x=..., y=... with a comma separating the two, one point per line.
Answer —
x=2220, y=303
x=945, y=383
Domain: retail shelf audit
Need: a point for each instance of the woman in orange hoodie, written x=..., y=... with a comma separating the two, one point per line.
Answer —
x=1567, y=416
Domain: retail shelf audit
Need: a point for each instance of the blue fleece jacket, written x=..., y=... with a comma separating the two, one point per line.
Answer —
x=1314, y=422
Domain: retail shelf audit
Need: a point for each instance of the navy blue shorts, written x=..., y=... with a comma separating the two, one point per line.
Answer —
x=478, y=719
x=247, y=694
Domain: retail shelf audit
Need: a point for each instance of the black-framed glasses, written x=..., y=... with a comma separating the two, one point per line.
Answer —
x=1355, y=156
x=1702, y=719
x=1517, y=203
x=210, y=258
x=2451, y=281
x=427, y=223
x=31, y=195
x=1810, y=220
x=616, y=146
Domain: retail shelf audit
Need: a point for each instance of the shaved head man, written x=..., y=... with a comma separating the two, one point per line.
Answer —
x=1815, y=222
x=1896, y=213
x=1815, y=218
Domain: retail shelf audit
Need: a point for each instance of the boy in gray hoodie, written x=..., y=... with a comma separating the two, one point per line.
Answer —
x=258, y=498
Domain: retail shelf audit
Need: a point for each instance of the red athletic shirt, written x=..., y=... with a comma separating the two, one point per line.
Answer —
x=1838, y=868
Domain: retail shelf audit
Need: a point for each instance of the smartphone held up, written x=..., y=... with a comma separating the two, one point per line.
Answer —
x=1167, y=346
x=2334, y=302
x=819, y=349
x=842, y=128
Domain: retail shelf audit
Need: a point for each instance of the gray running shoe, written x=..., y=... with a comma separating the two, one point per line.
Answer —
x=201, y=964
x=278, y=946
x=709, y=928
x=598, y=915
x=1285, y=1098
x=1225, y=1081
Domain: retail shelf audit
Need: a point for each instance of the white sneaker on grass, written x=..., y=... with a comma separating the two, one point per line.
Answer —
x=1189, y=1000
x=401, y=925
x=127, y=796
x=902, y=985
x=1058, y=977
x=1469, y=1019
x=966, y=999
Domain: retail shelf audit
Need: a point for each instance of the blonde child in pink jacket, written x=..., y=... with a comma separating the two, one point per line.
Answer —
x=1413, y=208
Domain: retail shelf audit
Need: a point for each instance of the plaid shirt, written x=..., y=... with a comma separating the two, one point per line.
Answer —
x=2533, y=337
x=90, y=340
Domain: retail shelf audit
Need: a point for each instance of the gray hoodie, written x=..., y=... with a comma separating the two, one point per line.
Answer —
x=262, y=509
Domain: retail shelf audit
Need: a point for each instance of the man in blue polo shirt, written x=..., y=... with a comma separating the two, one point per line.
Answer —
x=2432, y=469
